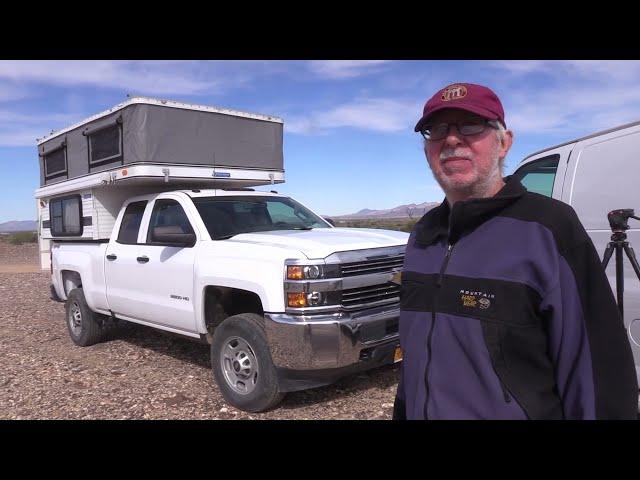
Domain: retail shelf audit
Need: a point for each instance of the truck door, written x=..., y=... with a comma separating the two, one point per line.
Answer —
x=120, y=263
x=153, y=282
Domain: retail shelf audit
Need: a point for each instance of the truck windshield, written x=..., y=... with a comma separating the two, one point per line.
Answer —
x=226, y=216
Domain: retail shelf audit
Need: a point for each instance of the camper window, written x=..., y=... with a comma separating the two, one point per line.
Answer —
x=105, y=144
x=55, y=162
x=66, y=216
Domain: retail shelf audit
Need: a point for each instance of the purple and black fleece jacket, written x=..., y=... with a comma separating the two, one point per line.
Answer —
x=506, y=313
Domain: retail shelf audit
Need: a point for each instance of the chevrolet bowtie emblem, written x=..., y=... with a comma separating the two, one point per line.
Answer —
x=397, y=278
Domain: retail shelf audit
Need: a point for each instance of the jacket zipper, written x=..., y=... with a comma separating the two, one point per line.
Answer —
x=505, y=392
x=433, y=324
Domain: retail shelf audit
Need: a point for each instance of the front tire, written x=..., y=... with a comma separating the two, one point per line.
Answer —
x=242, y=364
x=83, y=324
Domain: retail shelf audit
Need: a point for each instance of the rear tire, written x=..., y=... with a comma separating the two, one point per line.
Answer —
x=242, y=364
x=84, y=325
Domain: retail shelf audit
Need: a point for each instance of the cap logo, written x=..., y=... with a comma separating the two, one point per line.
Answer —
x=454, y=92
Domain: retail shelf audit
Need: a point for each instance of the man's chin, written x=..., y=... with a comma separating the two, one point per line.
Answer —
x=456, y=183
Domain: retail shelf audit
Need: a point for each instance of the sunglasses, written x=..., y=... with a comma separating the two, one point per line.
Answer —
x=466, y=127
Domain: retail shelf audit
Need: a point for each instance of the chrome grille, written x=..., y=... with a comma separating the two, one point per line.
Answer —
x=381, y=265
x=369, y=296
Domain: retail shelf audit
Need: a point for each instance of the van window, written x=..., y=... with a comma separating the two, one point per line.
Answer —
x=538, y=176
x=131, y=220
x=66, y=216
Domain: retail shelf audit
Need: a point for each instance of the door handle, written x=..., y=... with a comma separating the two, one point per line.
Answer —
x=143, y=259
x=111, y=256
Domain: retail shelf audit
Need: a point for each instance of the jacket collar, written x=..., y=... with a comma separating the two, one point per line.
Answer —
x=443, y=222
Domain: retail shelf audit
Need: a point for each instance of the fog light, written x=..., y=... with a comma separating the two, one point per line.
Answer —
x=297, y=300
x=314, y=298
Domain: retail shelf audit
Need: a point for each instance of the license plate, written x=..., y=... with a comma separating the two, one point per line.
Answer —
x=397, y=355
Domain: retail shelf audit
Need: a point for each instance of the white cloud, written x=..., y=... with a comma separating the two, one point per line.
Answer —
x=19, y=129
x=339, y=69
x=590, y=70
x=138, y=77
x=381, y=115
x=568, y=97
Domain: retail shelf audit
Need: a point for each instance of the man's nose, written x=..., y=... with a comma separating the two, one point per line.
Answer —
x=454, y=137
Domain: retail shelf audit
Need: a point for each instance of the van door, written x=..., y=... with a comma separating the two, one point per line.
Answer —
x=604, y=175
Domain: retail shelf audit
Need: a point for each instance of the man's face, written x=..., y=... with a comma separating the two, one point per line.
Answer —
x=465, y=163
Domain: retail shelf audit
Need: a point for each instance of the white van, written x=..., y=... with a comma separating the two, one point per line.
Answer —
x=595, y=175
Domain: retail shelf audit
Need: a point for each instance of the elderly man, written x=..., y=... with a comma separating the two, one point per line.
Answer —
x=506, y=312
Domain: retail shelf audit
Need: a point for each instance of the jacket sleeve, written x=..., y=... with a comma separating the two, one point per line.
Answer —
x=588, y=343
x=399, y=409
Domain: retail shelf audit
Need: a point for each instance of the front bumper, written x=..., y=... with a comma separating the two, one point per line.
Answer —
x=316, y=350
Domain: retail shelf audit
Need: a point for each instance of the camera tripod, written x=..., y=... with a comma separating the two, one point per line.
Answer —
x=618, y=221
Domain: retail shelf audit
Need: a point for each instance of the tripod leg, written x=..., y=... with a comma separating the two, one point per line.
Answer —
x=607, y=255
x=620, y=279
x=632, y=258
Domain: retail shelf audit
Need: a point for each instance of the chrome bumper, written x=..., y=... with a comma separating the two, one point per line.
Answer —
x=320, y=342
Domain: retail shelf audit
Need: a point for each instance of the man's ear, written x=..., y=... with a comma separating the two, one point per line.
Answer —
x=507, y=141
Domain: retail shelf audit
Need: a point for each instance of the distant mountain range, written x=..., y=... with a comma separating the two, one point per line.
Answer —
x=412, y=210
x=19, y=226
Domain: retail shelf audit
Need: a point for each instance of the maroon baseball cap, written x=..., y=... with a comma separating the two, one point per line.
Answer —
x=464, y=96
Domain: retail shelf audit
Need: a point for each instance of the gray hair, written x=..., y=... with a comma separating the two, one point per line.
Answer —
x=500, y=133
x=500, y=130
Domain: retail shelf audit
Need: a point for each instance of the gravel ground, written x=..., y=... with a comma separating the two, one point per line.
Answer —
x=18, y=258
x=141, y=373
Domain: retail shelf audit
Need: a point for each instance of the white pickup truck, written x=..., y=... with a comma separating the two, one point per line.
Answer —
x=286, y=300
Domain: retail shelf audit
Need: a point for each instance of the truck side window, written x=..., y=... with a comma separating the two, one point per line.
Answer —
x=170, y=215
x=130, y=225
x=538, y=176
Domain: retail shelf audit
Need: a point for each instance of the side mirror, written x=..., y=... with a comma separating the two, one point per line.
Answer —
x=173, y=236
x=329, y=220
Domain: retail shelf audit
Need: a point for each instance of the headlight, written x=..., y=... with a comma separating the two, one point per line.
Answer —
x=311, y=271
x=304, y=272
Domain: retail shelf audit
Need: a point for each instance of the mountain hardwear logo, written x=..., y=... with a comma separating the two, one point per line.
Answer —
x=477, y=299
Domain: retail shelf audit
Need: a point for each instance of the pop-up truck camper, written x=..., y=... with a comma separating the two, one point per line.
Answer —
x=146, y=215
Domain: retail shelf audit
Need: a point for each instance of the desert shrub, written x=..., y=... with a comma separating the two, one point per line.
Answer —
x=23, y=237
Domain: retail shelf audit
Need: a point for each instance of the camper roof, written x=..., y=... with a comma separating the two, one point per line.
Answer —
x=163, y=103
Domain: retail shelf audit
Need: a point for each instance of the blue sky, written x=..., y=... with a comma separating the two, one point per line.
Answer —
x=348, y=125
